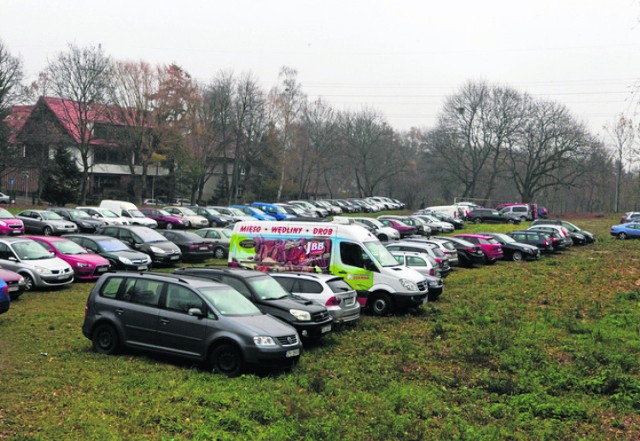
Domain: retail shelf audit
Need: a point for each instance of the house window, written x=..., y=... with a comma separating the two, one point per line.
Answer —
x=101, y=182
x=109, y=155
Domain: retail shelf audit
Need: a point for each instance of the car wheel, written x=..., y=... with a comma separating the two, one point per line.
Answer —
x=381, y=305
x=227, y=359
x=383, y=238
x=105, y=339
x=47, y=231
x=219, y=253
x=517, y=256
x=29, y=283
x=477, y=220
x=523, y=219
x=622, y=236
x=169, y=226
x=511, y=221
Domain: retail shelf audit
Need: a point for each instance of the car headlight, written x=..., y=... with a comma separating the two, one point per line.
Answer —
x=157, y=250
x=303, y=316
x=263, y=340
x=84, y=265
x=2, y=223
x=21, y=281
x=42, y=270
x=434, y=283
x=409, y=285
x=125, y=260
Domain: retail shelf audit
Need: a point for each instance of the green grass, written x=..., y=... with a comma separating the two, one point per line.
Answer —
x=531, y=350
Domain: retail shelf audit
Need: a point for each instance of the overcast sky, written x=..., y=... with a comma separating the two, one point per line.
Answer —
x=400, y=57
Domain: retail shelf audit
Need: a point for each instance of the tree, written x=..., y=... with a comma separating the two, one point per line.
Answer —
x=11, y=75
x=81, y=76
x=61, y=178
x=622, y=134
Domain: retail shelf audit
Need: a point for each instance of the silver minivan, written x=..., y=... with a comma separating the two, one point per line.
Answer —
x=39, y=266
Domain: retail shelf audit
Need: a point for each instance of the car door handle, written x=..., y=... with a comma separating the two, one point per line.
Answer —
x=119, y=311
x=164, y=321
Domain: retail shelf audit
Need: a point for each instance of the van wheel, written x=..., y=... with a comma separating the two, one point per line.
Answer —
x=105, y=339
x=523, y=219
x=169, y=226
x=381, y=305
x=227, y=359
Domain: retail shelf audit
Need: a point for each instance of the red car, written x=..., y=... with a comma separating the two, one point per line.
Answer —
x=490, y=247
x=14, y=281
x=402, y=228
x=86, y=264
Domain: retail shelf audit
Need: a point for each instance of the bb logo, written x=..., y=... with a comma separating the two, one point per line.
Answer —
x=314, y=248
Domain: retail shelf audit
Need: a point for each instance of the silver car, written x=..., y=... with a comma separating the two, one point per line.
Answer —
x=39, y=267
x=46, y=223
x=324, y=289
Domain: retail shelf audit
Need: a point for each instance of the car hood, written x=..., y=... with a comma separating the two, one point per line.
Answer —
x=54, y=263
x=84, y=258
x=165, y=245
x=288, y=303
x=129, y=254
x=264, y=324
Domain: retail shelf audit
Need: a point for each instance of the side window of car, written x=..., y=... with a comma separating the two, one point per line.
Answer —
x=181, y=299
x=170, y=236
x=287, y=283
x=399, y=259
x=415, y=261
x=125, y=236
x=310, y=287
x=89, y=244
x=239, y=286
x=142, y=291
x=213, y=234
x=5, y=252
x=111, y=287
x=45, y=245
x=110, y=232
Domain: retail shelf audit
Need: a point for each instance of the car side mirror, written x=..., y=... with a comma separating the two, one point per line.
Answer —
x=196, y=312
x=12, y=258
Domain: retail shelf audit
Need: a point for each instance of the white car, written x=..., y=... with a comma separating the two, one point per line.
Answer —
x=191, y=217
x=106, y=216
x=383, y=232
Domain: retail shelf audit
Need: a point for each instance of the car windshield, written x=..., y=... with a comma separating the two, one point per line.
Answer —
x=227, y=233
x=80, y=214
x=212, y=211
x=236, y=212
x=69, y=247
x=50, y=215
x=108, y=213
x=31, y=250
x=188, y=212
x=504, y=238
x=165, y=213
x=380, y=254
x=136, y=213
x=267, y=288
x=110, y=245
x=228, y=301
x=149, y=235
x=4, y=214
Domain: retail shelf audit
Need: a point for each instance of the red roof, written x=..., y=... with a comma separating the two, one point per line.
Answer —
x=16, y=119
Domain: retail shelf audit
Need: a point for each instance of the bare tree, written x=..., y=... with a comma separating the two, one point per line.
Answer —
x=622, y=134
x=11, y=75
x=80, y=77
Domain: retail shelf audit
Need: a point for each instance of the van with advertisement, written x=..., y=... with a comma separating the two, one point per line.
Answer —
x=348, y=251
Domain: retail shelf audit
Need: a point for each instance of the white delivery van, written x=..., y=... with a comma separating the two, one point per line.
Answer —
x=455, y=211
x=129, y=211
x=348, y=251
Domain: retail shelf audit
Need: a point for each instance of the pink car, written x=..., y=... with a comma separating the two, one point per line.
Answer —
x=9, y=224
x=86, y=264
x=14, y=281
x=491, y=248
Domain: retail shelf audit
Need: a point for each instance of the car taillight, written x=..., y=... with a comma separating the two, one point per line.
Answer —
x=432, y=272
x=333, y=301
x=193, y=247
x=86, y=309
x=438, y=260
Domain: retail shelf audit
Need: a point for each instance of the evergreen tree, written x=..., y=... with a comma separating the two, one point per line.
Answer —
x=61, y=178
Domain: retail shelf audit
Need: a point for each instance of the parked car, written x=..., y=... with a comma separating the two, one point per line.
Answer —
x=273, y=210
x=9, y=224
x=321, y=212
x=630, y=216
x=215, y=218
x=14, y=281
x=45, y=222
x=187, y=317
x=457, y=222
x=539, y=239
x=431, y=249
x=233, y=213
x=321, y=209
x=219, y=238
x=469, y=254
x=164, y=219
x=573, y=229
x=154, y=202
x=327, y=290
x=5, y=198
x=421, y=227
x=437, y=226
x=192, y=219
x=108, y=217
x=86, y=265
x=490, y=247
x=128, y=211
x=629, y=230
x=5, y=298
x=523, y=211
x=560, y=237
x=192, y=246
x=445, y=246
x=298, y=214
x=254, y=212
x=161, y=250
x=310, y=319
x=382, y=232
x=39, y=267
x=487, y=215
x=120, y=256
x=514, y=250
x=420, y=262
x=84, y=221
x=402, y=228
x=331, y=207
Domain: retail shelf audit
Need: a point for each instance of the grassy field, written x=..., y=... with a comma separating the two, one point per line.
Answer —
x=532, y=350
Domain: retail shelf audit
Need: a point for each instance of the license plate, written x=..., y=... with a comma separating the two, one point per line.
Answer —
x=14, y=288
x=292, y=353
x=142, y=268
x=16, y=232
x=102, y=270
x=174, y=257
x=204, y=248
x=62, y=277
x=325, y=329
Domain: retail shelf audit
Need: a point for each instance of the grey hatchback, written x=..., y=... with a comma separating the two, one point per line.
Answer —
x=188, y=317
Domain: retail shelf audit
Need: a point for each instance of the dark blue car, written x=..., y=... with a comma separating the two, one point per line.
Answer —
x=5, y=299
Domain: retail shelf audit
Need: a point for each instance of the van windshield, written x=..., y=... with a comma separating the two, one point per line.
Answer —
x=380, y=254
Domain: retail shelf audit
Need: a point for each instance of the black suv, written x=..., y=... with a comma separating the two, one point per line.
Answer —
x=188, y=317
x=144, y=239
x=487, y=215
x=537, y=238
x=310, y=319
